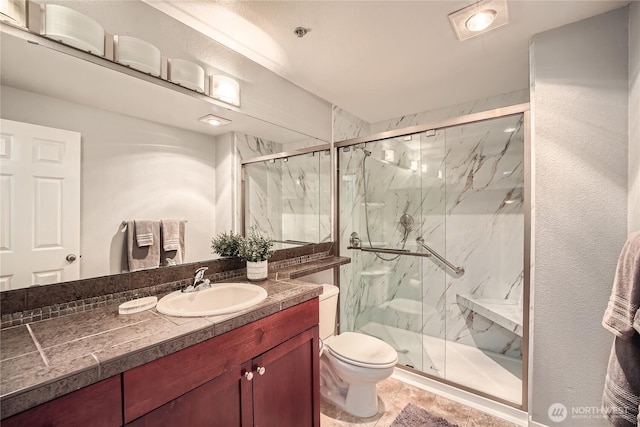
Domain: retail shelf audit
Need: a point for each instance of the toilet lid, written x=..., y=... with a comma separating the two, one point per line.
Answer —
x=361, y=349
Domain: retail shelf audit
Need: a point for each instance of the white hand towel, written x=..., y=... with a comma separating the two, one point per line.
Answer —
x=144, y=232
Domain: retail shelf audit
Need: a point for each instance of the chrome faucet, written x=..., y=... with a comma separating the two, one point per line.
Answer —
x=199, y=282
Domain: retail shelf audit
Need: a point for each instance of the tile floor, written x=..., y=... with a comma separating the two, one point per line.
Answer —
x=393, y=396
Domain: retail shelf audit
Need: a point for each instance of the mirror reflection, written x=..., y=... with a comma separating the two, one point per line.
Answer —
x=134, y=151
x=289, y=198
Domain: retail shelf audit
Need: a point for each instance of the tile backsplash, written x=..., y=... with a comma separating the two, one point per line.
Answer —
x=43, y=302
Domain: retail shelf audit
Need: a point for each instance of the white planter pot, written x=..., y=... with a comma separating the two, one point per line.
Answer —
x=257, y=270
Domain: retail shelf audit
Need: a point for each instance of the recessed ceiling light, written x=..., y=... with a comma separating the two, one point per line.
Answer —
x=212, y=120
x=479, y=18
x=480, y=21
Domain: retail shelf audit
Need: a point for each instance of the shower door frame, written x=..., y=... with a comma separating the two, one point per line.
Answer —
x=496, y=113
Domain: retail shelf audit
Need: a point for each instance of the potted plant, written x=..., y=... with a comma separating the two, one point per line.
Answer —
x=226, y=244
x=255, y=249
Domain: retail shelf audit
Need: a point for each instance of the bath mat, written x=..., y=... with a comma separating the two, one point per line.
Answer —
x=415, y=416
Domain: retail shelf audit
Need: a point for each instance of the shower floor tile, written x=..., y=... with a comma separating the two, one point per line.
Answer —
x=394, y=395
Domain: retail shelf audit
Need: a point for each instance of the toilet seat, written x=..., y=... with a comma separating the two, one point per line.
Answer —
x=361, y=350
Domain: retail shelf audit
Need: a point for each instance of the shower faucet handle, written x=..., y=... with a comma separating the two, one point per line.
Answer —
x=354, y=240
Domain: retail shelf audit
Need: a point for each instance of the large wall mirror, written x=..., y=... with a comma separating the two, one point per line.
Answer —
x=288, y=196
x=143, y=154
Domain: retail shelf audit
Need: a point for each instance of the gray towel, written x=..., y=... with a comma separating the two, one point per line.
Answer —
x=625, y=295
x=621, y=396
x=172, y=241
x=144, y=232
x=141, y=258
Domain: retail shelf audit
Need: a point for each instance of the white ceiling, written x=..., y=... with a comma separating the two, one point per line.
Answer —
x=382, y=59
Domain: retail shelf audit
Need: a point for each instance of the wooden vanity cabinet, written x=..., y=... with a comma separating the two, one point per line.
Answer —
x=264, y=374
x=98, y=405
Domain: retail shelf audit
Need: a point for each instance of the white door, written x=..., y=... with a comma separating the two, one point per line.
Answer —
x=39, y=205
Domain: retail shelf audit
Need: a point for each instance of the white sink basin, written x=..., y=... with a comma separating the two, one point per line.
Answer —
x=221, y=298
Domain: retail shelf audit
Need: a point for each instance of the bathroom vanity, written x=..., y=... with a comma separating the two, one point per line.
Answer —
x=252, y=368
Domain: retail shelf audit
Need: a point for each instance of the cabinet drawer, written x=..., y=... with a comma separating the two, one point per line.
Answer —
x=150, y=386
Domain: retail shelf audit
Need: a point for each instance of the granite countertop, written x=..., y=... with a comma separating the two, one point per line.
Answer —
x=43, y=360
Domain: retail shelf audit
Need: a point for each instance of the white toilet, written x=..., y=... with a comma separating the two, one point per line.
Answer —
x=351, y=364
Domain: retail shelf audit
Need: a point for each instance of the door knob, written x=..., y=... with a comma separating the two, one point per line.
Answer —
x=248, y=376
x=71, y=257
x=261, y=370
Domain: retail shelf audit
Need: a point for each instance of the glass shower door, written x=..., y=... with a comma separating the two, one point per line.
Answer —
x=382, y=198
x=456, y=194
x=485, y=234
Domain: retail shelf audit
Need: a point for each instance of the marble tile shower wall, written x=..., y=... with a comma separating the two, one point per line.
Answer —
x=467, y=209
x=346, y=126
x=288, y=200
x=264, y=195
x=306, y=198
x=485, y=223
x=484, y=104
x=262, y=184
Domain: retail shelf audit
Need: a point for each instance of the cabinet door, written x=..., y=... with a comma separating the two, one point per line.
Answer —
x=286, y=383
x=222, y=402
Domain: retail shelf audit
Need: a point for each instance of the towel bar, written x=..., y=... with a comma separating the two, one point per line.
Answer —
x=124, y=225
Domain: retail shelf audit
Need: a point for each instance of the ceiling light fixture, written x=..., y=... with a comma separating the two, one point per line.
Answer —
x=186, y=73
x=480, y=21
x=73, y=28
x=479, y=18
x=225, y=89
x=212, y=120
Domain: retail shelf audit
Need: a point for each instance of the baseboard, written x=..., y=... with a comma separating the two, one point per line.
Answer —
x=489, y=406
x=535, y=424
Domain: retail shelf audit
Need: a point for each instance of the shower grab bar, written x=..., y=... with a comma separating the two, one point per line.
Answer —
x=457, y=271
x=389, y=251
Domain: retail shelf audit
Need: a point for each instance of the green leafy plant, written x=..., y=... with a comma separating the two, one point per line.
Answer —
x=255, y=247
x=226, y=244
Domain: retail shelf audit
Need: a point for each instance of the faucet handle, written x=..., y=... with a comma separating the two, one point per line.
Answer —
x=200, y=273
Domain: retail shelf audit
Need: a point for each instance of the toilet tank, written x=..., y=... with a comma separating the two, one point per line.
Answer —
x=328, y=307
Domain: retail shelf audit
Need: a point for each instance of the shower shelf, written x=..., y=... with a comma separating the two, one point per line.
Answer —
x=506, y=313
x=374, y=205
x=378, y=272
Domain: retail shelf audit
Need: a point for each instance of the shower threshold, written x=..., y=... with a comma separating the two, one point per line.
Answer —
x=487, y=372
